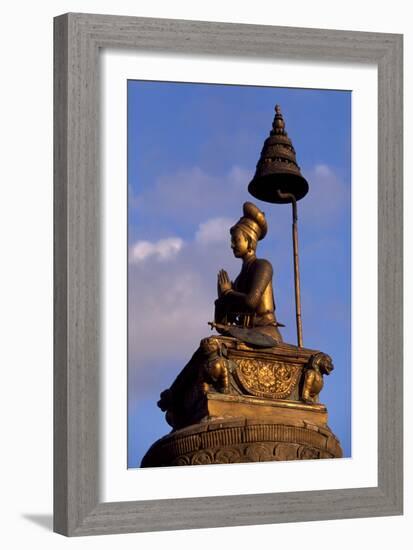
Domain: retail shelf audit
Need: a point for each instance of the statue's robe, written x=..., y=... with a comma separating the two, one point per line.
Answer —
x=250, y=301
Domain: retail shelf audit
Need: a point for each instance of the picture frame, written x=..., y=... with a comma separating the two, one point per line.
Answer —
x=78, y=509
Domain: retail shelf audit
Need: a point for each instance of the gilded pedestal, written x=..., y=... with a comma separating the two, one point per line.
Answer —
x=234, y=403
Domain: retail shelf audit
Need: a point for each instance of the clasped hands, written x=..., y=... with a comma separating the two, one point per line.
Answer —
x=224, y=283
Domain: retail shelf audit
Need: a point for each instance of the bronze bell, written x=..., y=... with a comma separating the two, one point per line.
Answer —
x=277, y=170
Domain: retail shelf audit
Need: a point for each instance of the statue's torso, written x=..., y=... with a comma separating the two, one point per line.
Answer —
x=244, y=282
x=250, y=302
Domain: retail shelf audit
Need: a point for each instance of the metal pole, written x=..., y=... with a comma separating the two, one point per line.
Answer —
x=292, y=198
x=297, y=277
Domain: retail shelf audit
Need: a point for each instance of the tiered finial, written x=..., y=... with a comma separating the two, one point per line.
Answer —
x=277, y=169
x=278, y=126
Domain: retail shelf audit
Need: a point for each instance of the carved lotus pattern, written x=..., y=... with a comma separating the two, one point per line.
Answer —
x=267, y=379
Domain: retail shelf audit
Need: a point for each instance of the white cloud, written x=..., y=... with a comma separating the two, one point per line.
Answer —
x=214, y=230
x=323, y=170
x=162, y=250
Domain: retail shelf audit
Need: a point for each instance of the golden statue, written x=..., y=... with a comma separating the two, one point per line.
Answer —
x=245, y=395
x=248, y=302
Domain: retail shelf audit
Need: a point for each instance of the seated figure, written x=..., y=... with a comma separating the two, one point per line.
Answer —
x=245, y=308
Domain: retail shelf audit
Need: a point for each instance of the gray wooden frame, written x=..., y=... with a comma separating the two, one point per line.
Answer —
x=78, y=39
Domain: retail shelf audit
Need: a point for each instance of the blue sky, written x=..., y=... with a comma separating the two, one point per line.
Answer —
x=192, y=150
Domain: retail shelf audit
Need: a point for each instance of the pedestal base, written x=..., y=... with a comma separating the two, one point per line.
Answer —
x=234, y=403
x=248, y=430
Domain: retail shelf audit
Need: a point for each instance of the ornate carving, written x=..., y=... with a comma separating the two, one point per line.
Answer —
x=181, y=461
x=286, y=451
x=319, y=364
x=276, y=380
x=202, y=457
x=216, y=364
x=228, y=456
x=308, y=453
x=259, y=452
x=239, y=441
x=255, y=452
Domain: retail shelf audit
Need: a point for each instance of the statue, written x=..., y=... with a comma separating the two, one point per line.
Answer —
x=318, y=365
x=248, y=302
x=216, y=365
x=246, y=395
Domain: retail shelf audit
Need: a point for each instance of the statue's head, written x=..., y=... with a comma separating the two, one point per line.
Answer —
x=248, y=230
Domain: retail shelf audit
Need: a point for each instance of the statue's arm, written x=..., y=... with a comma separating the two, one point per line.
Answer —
x=260, y=276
